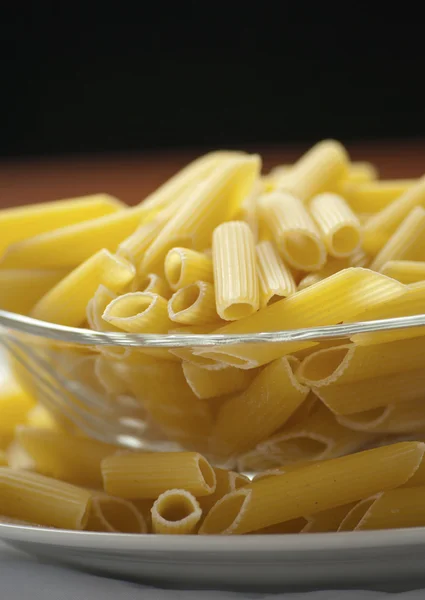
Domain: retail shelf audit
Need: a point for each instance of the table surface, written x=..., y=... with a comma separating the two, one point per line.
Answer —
x=132, y=177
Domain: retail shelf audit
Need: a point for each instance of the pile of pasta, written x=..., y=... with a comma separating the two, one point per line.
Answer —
x=330, y=432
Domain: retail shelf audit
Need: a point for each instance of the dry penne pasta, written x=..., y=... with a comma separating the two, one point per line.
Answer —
x=407, y=242
x=266, y=405
x=133, y=247
x=373, y=196
x=393, y=418
x=215, y=199
x=175, y=512
x=15, y=405
x=66, y=303
x=235, y=273
x=293, y=230
x=114, y=515
x=319, y=437
x=63, y=456
x=226, y=482
x=356, y=513
x=405, y=271
x=3, y=459
x=358, y=172
x=274, y=277
x=327, y=520
x=339, y=227
x=410, y=302
x=380, y=228
x=21, y=289
x=42, y=500
x=183, y=267
x=96, y=307
x=349, y=292
x=193, y=304
x=306, y=491
x=23, y=222
x=138, y=312
x=318, y=170
x=351, y=363
x=147, y=475
x=71, y=245
x=210, y=383
x=394, y=509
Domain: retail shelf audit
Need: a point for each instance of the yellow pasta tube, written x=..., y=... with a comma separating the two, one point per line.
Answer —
x=96, y=307
x=370, y=197
x=380, y=227
x=406, y=242
x=215, y=199
x=66, y=303
x=255, y=461
x=266, y=405
x=410, y=302
x=405, y=271
x=339, y=227
x=193, y=304
x=3, y=459
x=306, y=491
x=71, y=245
x=175, y=189
x=366, y=394
x=274, y=277
x=210, y=383
x=15, y=404
x=235, y=273
x=64, y=456
x=183, y=267
x=226, y=482
x=319, y=170
x=151, y=283
x=20, y=223
x=41, y=418
x=319, y=437
x=147, y=475
x=161, y=389
x=42, y=500
x=352, y=518
x=20, y=289
x=175, y=512
x=293, y=230
x=350, y=363
x=393, y=418
x=138, y=312
x=361, y=172
x=396, y=509
x=327, y=520
x=337, y=298
x=114, y=515
x=133, y=247
x=293, y=526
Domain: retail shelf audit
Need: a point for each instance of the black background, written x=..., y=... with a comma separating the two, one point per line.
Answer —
x=209, y=74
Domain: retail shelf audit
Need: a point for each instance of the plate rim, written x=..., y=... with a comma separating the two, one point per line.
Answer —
x=244, y=544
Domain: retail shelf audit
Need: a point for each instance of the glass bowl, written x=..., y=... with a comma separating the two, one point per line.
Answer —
x=130, y=390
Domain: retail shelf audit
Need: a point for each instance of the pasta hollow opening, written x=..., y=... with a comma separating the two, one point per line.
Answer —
x=302, y=250
x=239, y=310
x=118, y=515
x=173, y=268
x=323, y=364
x=185, y=298
x=181, y=508
x=134, y=305
x=345, y=240
x=145, y=282
x=225, y=515
x=207, y=473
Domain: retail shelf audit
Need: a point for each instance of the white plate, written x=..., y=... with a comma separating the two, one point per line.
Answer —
x=393, y=559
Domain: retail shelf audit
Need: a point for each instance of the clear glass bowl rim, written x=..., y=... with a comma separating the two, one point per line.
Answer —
x=87, y=337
